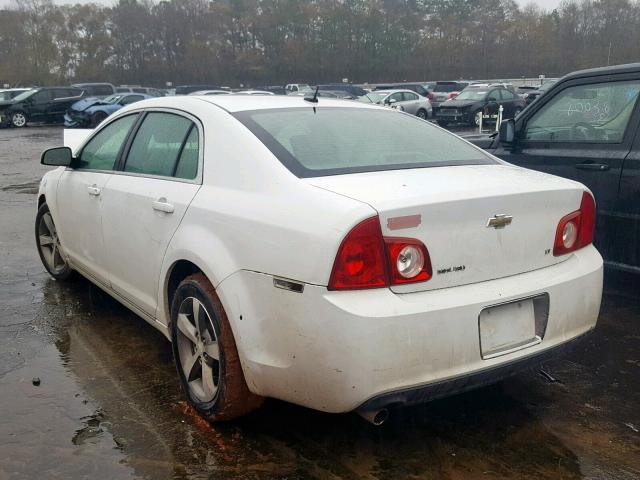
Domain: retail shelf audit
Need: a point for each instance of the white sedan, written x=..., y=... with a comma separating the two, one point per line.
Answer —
x=336, y=255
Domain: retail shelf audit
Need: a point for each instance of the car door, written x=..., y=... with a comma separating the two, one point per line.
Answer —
x=394, y=99
x=145, y=201
x=583, y=132
x=624, y=220
x=410, y=102
x=507, y=100
x=79, y=198
x=36, y=106
x=62, y=99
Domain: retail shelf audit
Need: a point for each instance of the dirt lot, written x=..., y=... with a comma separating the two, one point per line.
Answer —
x=109, y=406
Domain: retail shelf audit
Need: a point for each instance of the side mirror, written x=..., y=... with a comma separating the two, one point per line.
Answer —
x=507, y=133
x=57, y=157
x=393, y=100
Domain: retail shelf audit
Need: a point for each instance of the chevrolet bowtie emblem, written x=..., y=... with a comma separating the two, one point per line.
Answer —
x=499, y=221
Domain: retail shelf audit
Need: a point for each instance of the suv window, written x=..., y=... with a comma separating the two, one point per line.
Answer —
x=42, y=96
x=157, y=145
x=595, y=113
x=101, y=152
x=97, y=90
x=139, y=90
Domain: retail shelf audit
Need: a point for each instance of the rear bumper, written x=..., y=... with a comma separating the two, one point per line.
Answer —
x=337, y=351
x=464, y=383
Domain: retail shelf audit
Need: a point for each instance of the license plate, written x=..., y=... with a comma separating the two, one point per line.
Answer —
x=507, y=328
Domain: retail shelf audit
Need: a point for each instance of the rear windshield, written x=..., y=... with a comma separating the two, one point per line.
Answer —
x=334, y=141
x=445, y=87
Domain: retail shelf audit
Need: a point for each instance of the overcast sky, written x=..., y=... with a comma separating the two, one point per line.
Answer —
x=546, y=4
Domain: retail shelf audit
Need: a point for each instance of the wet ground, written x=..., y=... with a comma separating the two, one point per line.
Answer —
x=108, y=405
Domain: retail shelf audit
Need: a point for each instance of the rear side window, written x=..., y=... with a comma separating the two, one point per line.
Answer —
x=332, y=141
x=101, y=152
x=594, y=113
x=188, y=163
x=98, y=90
x=158, y=144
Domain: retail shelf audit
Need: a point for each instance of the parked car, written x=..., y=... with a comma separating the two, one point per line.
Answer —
x=154, y=92
x=90, y=112
x=276, y=89
x=413, y=265
x=445, y=90
x=254, y=92
x=186, y=89
x=406, y=100
x=293, y=88
x=531, y=95
x=351, y=89
x=11, y=93
x=45, y=104
x=420, y=88
x=96, y=89
x=466, y=106
x=585, y=127
x=210, y=92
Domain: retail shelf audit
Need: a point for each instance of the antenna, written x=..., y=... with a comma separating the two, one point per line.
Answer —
x=313, y=99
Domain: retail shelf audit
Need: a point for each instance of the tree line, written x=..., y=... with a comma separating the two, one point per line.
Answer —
x=258, y=42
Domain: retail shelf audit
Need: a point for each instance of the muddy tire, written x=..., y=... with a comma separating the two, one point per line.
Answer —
x=205, y=353
x=49, y=247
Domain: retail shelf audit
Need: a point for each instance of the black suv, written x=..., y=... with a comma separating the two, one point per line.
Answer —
x=351, y=89
x=46, y=104
x=465, y=107
x=585, y=127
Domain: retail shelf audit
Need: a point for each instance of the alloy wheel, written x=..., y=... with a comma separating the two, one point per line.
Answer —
x=198, y=349
x=19, y=119
x=49, y=244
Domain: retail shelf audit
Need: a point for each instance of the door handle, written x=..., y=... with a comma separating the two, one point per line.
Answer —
x=161, y=205
x=93, y=190
x=600, y=167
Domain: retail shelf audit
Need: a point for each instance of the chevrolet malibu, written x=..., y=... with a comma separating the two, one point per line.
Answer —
x=332, y=254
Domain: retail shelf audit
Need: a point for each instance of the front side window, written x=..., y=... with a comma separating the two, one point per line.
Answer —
x=595, y=113
x=42, y=96
x=334, y=140
x=101, y=152
x=157, y=144
x=506, y=95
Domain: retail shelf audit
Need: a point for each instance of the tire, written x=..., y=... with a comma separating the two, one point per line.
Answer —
x=218, y=391
x=473, y=120
x=422, y=113
x=96, y=118
x=49, y=247
x=19, y=119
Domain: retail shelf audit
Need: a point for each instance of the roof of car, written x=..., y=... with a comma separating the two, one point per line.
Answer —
x=625, y=68
x=239, y=103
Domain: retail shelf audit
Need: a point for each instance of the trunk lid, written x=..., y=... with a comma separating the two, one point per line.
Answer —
x=455, y=205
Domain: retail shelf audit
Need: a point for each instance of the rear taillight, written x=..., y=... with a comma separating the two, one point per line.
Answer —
x=453, y=94
x=575, y=230
x=409, y=260
x=367, y=260
x=430, y=96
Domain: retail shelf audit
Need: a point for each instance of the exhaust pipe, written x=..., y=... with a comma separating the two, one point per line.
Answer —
x=375, y=417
